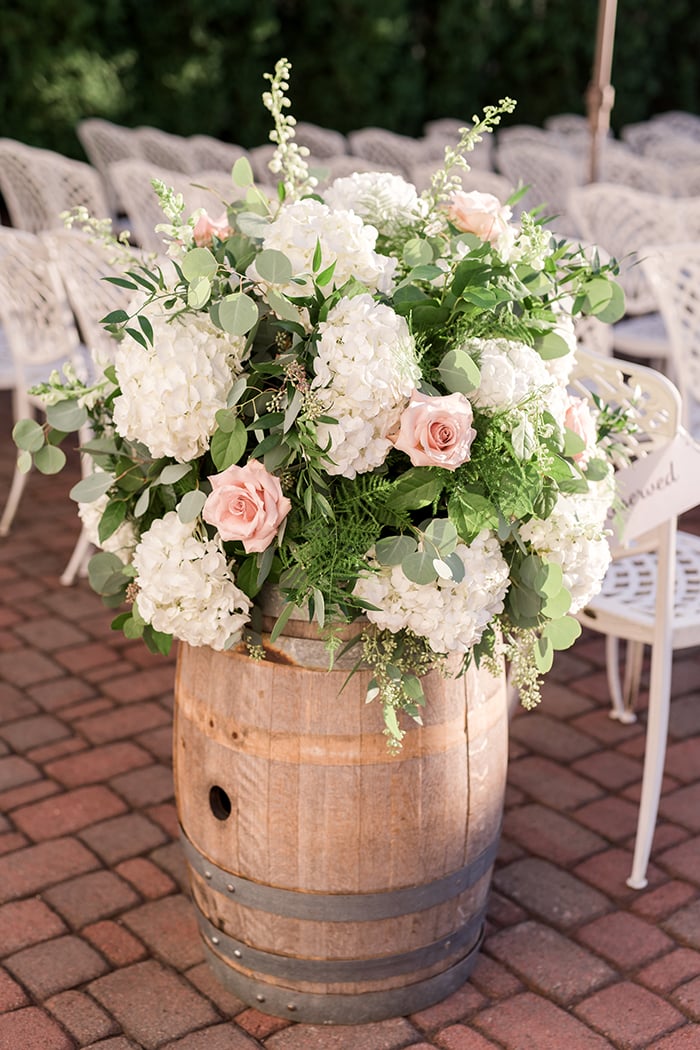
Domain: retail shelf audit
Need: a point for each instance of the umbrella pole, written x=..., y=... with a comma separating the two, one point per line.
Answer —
x=600, y=95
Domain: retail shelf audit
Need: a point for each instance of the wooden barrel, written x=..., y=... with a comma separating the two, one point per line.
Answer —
x=335, y=882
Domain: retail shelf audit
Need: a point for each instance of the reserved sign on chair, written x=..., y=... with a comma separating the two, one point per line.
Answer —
x=657, y=487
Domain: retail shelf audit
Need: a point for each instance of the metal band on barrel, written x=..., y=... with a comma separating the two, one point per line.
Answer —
x=336, y=1008
x=340, y=907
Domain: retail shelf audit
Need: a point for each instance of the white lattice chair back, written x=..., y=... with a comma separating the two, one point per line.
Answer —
x=26, y=196
x=549, y=172
x=320, y=141
x=212, y=154
x=165, y=150
x=673, y=271
x=132, y=179
x=640, y=172
x=106, y=143
x=73, y=183
x=386, y=148
x=680, y=121
x=84, y=263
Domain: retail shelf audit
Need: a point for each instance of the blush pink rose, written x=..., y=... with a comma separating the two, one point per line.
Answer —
x=436, y=431
x=479, y=213
x=206, y=229
x=579, y=419
x=246, y=504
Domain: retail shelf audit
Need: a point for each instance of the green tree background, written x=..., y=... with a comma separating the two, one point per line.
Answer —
x=196, y=66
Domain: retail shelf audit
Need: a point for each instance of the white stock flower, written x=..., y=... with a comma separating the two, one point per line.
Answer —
x=451, y=616
x=185, y=587
x=172, y=390
x=343, y=237
x=511, y=372
x=381, y=199
x=366, y=370
x=574, y=537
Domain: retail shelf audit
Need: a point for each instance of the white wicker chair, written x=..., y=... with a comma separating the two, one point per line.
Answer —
x=386, y=148
x=320, y=142
x=549, y=172
x=38, y=185
x=106, y=143
x=623, y=220
x=673, y=271
x=210, y=154
x=680, y=122
x=40, y=331
x=620, y=164
x=651, y=592
x=165, y=150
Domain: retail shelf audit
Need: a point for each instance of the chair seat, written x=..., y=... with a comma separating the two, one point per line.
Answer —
x=626, y=602
x=643, y=335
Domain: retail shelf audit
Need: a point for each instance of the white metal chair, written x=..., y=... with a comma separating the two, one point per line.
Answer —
x=41, y=335
x=673, y=271
x=651, y=592
x=622, y=220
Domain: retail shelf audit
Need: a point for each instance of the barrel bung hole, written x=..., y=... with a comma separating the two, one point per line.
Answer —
x=219, y=803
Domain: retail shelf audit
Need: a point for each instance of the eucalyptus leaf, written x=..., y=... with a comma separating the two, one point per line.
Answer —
x=281, y=306
x=455, y=565
x=252, y=224
x=190, y=506
x=391, y=550
x=613, y=310
x=292, y=410
x=544, y=655
x=24, y=462
x=199, y=293
x=92, y=487
x=557, y=604
x=238, y=313
x=459, y=372
x=442, y=534
x=417, y=252
x=419, y=567
x=27, y=434
x=101, y=568
x=67, y=415
x=197, y=263
x=242, y=173
x=551, y=346
x=142, y=503
x=237, y=391
x=172, y=473
x=274, y=266
x=49, y=459
x=227, y=448
x=562, y=633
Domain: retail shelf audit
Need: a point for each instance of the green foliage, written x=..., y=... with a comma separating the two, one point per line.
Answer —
x=356, y=64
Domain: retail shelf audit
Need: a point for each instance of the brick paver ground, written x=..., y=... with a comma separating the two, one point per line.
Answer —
x=98, y=946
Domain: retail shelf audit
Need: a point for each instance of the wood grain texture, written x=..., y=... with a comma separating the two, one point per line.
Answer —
x=320, y=806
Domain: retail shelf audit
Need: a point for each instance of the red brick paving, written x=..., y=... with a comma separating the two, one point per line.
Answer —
x=97, y=934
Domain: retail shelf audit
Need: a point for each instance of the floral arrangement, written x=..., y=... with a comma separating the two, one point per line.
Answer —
x=360, y=397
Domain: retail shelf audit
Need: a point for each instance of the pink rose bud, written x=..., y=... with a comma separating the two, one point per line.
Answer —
x=436, y=431
x=578, y=419
x=246, y=504
x=479, y=213
x=206, y=229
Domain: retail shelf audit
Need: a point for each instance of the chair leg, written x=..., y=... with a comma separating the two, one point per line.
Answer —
x=19, y=480
x=654, y=758
x=78, y=560
x=623, y=698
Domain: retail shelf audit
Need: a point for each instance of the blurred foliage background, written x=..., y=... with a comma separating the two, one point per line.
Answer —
x=196, y=66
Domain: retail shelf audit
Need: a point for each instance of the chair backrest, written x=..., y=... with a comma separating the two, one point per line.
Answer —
x=680, y=121
x=35, y=314
x=622, y=220
x=83, y=263
x=549, y=172
x=641, y=172
x=386, y=148
x=673, y=271
x=132, y=179
x=210, y=154
x=28, y=201
x=165, y=150
x=106, y=143
x=320, y=141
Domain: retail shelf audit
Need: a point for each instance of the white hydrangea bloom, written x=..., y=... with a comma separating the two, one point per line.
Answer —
x=511, y=372
x=172, y=390
x=343, y=237
x=451, y=616
x=185, y=587
x=122, y=541
x=381, y=199
x=366, y=370
x=574, y=536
